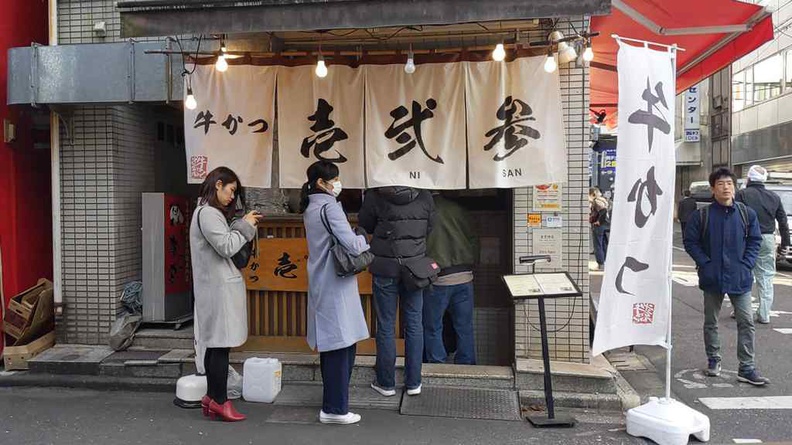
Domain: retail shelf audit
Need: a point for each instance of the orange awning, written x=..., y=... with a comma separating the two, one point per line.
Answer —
x=714, y=33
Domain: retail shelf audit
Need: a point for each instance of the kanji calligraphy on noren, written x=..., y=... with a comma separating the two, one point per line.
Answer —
x=320, y=119
x=515, y=128
x=325, y=135
x=415, y=126
x=232, y=124
x=635, y=298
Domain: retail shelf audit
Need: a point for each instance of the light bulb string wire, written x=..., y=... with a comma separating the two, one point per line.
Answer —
x=185, y=72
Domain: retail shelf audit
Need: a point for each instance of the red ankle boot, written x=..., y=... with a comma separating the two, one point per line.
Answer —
x=205, y=405
x=225, y=412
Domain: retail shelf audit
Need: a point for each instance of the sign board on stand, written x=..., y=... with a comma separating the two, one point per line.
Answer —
x=539, y=286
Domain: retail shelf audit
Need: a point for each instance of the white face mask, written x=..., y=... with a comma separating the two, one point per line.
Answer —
x=337, y=187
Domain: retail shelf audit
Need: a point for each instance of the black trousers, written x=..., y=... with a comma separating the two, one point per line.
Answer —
x=337, y=369
x=216, y=365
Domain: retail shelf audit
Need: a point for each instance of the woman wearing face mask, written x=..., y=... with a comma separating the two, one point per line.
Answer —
x=220, y=296
x=335, y=314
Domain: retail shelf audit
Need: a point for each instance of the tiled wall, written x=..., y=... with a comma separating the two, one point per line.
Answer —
x=133, y=174
x=87, y=237
x=567, y=318
x=107, y=160
x=76, y=19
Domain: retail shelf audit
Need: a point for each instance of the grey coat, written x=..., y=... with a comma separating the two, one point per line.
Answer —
x=220, y=295
x=335, y=314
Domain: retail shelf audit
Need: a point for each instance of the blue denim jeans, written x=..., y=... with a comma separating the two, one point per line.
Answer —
x=745, y=328
x=337, y=367
x=458, y=300
x=764, y=271
x=601, y=235
x=387, y=293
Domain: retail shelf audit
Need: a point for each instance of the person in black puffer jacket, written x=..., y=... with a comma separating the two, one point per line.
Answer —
x=399, y=218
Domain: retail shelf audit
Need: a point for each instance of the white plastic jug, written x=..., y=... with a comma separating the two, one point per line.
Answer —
x=261, y=379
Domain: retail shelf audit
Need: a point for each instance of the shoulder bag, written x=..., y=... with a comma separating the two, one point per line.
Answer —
x=241, y=258
x=346, y=263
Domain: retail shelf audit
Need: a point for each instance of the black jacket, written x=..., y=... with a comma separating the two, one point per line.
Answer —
x=768, y=208
x=686, y=208
x=399, y=218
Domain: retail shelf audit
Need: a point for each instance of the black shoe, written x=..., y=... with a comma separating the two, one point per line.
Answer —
x=753, y=377
x=713, y=367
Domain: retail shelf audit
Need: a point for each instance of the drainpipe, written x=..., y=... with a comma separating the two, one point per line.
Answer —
x=55, y=167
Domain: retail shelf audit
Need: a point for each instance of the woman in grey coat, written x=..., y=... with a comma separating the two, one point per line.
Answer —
x=220, y=295
x=335, y=314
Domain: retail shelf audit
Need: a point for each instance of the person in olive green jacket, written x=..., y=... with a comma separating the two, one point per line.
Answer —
x=453, y=245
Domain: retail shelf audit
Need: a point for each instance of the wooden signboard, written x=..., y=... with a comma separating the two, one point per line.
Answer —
x=277, y=288
x=281, y=264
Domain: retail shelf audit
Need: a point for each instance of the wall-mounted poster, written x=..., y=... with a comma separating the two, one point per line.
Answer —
x=548, y=242
x=547, y=198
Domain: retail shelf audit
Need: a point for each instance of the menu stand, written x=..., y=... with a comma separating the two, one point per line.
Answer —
x=539, y=286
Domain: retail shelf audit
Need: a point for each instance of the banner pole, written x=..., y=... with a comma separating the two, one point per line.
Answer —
x=670, y=281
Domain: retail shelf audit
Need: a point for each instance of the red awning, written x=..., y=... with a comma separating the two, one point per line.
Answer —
x=714, y=34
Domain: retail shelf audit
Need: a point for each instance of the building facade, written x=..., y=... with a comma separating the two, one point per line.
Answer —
x=761, y=125
x=108, y=153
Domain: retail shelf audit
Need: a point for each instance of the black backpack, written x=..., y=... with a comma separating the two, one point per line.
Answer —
x=704, y=219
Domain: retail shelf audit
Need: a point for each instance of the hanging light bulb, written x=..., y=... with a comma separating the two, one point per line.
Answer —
x=499, y=53
x=221, y=64
x=321, y=68
x=588, y=54
x=409, y=67
x=550, y=64
x=190, y=103
x=566, y=52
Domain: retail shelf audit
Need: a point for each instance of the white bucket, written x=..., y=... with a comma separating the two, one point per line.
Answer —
x=261, y=379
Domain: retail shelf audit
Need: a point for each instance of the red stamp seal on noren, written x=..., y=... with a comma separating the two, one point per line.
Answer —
x=643, y=313
x=198, y=167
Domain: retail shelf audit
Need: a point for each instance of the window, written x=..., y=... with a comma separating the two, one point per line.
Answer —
x=738, y=91
x=767, y=76
x=749, y=86
x=788, y=76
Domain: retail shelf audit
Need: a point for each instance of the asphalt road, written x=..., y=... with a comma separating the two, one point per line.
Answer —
x=62, y=416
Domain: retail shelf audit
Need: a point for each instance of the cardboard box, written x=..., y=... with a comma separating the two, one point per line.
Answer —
x=30, y=314
x=16, y=357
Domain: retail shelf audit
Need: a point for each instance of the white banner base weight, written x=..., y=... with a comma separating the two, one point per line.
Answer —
x=667, y=422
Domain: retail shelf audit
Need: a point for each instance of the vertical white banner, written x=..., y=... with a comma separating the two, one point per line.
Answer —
x=320, y=119
x=415, y=126
x=233, y=123
x=515, y=124
x=636, y=289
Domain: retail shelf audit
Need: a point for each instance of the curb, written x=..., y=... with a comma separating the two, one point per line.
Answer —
x=101, y=383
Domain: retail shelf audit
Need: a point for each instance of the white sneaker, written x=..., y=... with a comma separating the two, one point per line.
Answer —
x=414, y=391
x=338, y=419
x=383, y=391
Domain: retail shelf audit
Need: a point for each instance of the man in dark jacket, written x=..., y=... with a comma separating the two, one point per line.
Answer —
x=455, y=248
x=769, y=209
x=725, y=247
x=399, y=219
x=686, y=208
